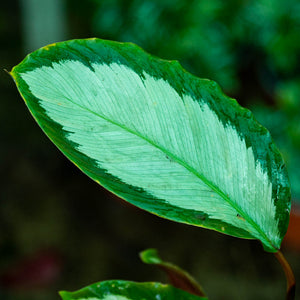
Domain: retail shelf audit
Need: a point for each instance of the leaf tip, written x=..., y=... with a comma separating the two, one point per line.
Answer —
x=150, y=256
x=10, y=73
x=64, y=295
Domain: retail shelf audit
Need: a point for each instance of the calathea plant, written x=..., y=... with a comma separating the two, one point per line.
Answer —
x=162, y=139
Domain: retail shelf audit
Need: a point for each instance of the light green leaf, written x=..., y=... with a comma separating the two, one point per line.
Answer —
x=158, y=137
x=127, y=290
x=178, y=277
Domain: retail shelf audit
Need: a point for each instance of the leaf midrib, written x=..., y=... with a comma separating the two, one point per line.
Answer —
x=240, y=212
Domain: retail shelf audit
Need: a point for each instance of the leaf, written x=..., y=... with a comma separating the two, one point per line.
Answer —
x=128, y=290
x=159, y=137
x=178, y=277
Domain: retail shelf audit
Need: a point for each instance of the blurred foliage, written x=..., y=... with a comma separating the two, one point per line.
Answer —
x=212, y=38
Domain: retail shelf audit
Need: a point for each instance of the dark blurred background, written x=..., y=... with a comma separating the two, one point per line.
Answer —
x=60, y=230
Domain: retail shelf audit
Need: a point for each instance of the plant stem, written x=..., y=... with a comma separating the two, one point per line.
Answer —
x=290, y=278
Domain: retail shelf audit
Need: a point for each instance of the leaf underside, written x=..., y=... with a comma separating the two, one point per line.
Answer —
x=127, y=290
x=158, y=137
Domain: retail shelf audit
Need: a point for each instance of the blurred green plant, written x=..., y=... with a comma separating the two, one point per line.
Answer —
x=212, y=38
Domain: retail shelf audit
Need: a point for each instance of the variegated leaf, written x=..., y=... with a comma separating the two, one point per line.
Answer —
x=159, y=137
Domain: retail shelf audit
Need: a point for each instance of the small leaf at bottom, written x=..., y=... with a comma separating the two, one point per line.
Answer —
x=128, y=290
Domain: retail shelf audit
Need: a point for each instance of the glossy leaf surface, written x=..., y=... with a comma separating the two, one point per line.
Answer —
x=159, y=137
x=127, y=290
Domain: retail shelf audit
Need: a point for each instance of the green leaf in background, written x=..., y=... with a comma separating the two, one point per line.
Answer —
x=159, y=137
x=178, y=277
x=127, y=290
